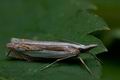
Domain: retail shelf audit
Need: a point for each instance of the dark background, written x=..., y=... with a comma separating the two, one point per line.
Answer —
x=109, y=10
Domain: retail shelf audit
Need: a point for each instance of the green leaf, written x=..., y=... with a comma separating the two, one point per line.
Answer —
x=50, y=20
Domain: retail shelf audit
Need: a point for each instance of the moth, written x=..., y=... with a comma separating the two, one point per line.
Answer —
x=29, y=50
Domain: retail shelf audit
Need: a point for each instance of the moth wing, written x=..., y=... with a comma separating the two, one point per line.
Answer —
x=48, y=54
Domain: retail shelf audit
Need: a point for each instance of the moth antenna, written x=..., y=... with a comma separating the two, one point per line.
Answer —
x=96, y=58
x=88, y=69
x=8, y=52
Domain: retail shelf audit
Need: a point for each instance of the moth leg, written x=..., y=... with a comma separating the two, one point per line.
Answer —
x=96, y=58
x=25, y=57
x=88, y=69
x=56, y=61
x=22, y=56
x=8, y=52
x=13, y=54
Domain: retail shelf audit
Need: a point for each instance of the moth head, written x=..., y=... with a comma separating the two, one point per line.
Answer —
x=16, y=47
x=87, y=48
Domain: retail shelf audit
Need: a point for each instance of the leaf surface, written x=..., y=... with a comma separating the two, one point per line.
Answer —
x=50, y=20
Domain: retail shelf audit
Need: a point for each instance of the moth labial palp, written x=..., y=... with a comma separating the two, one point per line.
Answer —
x=30, y=49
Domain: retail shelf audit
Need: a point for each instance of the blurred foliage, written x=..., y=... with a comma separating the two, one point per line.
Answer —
x=49, y=20
x=109, y=10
